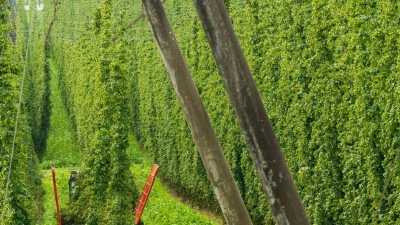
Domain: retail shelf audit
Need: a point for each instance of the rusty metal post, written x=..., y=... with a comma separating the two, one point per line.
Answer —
x=53, y=174
x=267, y=156
x=214, y=161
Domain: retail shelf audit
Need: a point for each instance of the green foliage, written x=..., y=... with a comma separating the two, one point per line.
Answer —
x=23, y=203
x=38, y=87
x=162, y=208
x=327, y=73
x=62, y=175
x=62, y=149
x=94, y=89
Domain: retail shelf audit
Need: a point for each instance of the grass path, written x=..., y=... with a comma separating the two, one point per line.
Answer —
x=62, y=149
x=63, y=153
x=161, y=207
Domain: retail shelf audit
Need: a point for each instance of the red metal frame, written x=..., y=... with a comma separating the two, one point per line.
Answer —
x=145, y=193
x=56, y=195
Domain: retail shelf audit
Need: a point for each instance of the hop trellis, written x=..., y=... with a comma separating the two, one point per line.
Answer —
x=327, y=72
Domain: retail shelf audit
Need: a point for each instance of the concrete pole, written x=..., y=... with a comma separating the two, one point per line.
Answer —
x=13, y=34
x=266, y=154
x=214, y=161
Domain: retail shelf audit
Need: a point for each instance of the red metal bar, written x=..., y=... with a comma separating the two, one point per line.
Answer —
x=55, y=195
x=145, y=193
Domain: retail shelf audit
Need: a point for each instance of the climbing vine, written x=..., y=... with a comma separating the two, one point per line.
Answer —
x=327, y=73
x=20, y=191
x=94, y=87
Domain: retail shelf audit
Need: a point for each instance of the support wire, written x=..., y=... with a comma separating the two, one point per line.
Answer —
x=17, y=118
x=386, y=187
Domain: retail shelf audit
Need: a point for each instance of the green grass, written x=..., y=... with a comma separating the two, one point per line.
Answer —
x=62, y=150
x=63, y=153
x=161, y=207
x=62, y=175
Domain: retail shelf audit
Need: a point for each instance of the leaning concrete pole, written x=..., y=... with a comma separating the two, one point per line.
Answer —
x=13, y=34
x=214, y=161
x=267, y=156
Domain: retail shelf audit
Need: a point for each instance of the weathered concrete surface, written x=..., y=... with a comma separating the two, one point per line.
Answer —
x=218, y=171
x=267, y=156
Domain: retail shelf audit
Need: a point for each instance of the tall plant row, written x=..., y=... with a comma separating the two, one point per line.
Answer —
x=21, y=192
x=327, y=73
x=94, y=87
